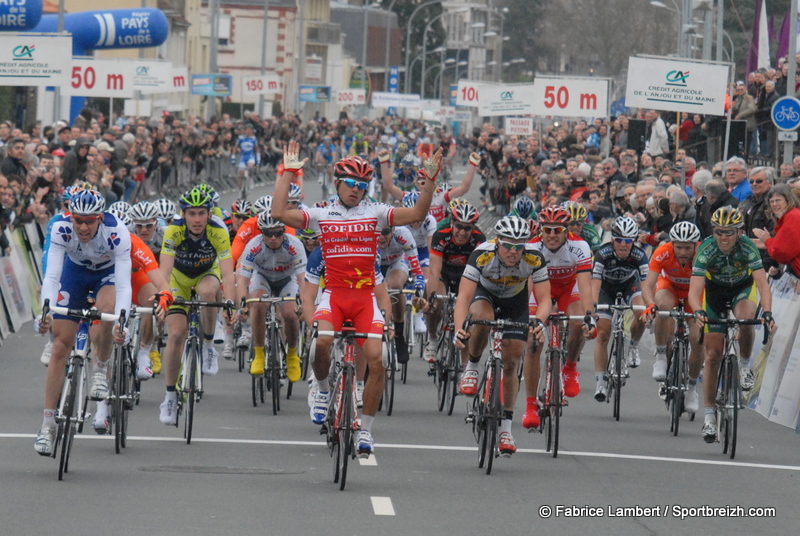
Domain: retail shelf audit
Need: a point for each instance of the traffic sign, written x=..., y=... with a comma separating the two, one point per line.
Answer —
x=787, y=136
x=786, y=113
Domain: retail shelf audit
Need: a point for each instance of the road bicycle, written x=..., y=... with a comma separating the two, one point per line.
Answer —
x=324, y=179
x=729, y=392
x=408, y=326
x=190, y=379
x=242, y=352
x=677, y=382
x=275, y=370
x=341, y=424
x=74, y=400
x=446, y=370
x=617, y=367
x=552, y=400
x=487, y=406
x=390, y=372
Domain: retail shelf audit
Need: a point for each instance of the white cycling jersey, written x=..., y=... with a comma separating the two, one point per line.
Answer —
x=289, y=260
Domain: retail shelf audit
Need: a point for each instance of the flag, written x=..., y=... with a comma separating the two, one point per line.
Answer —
x=783, y=37
x=758, y=55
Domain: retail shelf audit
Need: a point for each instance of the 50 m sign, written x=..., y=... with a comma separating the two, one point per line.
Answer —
x=101, y=78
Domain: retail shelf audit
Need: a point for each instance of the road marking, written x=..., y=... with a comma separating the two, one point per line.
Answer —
x=372, y=460
x=382, y=506
x=449, y=448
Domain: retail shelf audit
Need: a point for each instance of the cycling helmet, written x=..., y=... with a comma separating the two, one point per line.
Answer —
x=125, y=219
x=442, y=188
x=87, y=203
x=241, y=207
x=524, y=208
x=262, y=204
x=167, y=208
x=727, y=216
x=401, y=146
x=554, y=215
x=210, y=191
x=68, y=192
x=535, y=227
x=464, y=213
x=294, y=193
x=353, y=167
x=577, y=212
x=196, y=198
x=265, y=221
x=512, y=227
x=119, y=206
x=455, y=202
x=410, y=199
x=624, y=227
x=308, y=234
x=321, y=204
x=408, y=161
x=144, y=211
x=684, y=231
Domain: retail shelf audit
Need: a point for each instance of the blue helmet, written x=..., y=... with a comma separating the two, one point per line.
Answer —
x=410, y=199
x=523, y=208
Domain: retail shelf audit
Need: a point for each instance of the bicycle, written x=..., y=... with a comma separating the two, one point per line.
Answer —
x=73, y=402
x=390, y=371
x=242, y=352
x=729, y=396
x=323, y=177
x=190, y=379
x=447, y=367
x=487, y=405
x=275, y=370
x=677, y=382
x=617, y=367
x=552, y=400
x=408, y=326
x=341, y=421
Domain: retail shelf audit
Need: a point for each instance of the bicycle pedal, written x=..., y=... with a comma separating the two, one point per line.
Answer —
x=323, y=430
x=470, y=418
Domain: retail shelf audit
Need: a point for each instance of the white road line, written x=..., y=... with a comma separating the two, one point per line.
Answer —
x=372, y=460
x=382, y=506
x=448, y=448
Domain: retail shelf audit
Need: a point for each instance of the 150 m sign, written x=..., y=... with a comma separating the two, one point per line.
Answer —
x=570, y=97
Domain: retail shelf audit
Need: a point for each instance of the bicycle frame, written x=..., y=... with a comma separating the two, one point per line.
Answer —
x=676, y=383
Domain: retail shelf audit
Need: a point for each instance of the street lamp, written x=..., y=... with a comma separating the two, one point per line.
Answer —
x=679, y=13
x=425, y=44
x=424, y=4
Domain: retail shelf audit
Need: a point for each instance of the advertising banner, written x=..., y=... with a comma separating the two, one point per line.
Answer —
x=20, y=15
x=315, y=94
x=382, y=99
x=677, y=85
x=212, y=85
x=570, y=97
x=29, y=59
x=152, y=76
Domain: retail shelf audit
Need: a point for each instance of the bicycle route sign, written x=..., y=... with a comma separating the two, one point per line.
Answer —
x=786, y=113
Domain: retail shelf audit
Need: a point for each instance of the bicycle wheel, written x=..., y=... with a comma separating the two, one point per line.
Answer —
x=619, y=356
x=241, y=356
x=388, y=383
x=345, y=423
x=442, y=375
x=454, y=372
x=274, y=373
x=555, y=403
x=191, y=392
x=495, y=413
x=480, y=408
x=677, y=384
x=67, y=428
x=732, y=404
x=117, y=393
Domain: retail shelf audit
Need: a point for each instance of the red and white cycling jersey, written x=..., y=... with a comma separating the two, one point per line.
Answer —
x=349, y=241
x=564, y=264
x=438, y=205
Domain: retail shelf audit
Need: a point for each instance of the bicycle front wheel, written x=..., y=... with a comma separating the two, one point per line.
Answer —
x=388, y=384
x=495, y=412
x=274, y=372
x=442, y=375
x=192, y=391
x=347, y=386
x=677, y=385
x=728, y=410
x=555, y=401
x=619, y=377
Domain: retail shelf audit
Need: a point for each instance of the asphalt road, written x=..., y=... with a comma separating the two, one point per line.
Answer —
x=248, y=471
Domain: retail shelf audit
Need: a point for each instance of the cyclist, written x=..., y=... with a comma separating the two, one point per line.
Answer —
x=667, y=282
x=90, y=252
x=272, y=266
x=398, y=253
x=249, y=228
x=569, y=267
x=450, y=249
x=580, y=226
x=405, y=176
x=727, y=266
x=196, y=253
x=495, y=285
x=246, y=153
x=619, y=267
x=167, y=209
x=326, y=151
x=523, y=208
x=349, y=230
x=240, y=212
x=309, y=238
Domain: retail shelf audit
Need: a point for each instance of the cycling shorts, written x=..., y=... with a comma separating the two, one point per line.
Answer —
x=400, y=264
x=138, y=280
x=77, y=282
x=245, y=162
x=358, y=305
x=567, y=297
x=450, y=285
x=717, y=297
x=283, y=288
x=182, y=286
x=514, y=309
x=424, y=256
x=665, y=284
x=609, y=296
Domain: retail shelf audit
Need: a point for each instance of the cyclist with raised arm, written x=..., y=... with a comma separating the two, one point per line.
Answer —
x=727, y=271
x=272, y=265
x=496, y=284
x=569, y=267
x=619, y=267
x=451, y=248
x=350, y=228
x=196, y=253
x=667, y=282
x=90, y=252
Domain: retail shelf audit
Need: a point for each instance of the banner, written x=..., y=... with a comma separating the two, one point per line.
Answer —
x=101, y=78
x=496, y=99
x=28, y=59
x=570, y=97
x=315, y=94
x=677, y=85
x=212, y=85
x=520, y=126
x=348, y=97
x=152, y=76
x=20, y=15
x=261, y=85
x=381, y=99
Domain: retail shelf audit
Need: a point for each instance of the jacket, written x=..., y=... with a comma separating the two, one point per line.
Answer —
x=755, y=217
x=744, y=108
x=784, y=247
x=707, y=210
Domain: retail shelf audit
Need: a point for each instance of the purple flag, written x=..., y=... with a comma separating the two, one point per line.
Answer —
x=783, y=37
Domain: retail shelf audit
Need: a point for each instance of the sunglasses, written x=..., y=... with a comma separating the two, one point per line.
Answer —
x=352, y=183
x=757, y=181
x=145, y=225
x=510, y=246
x=553, y=230
x=462, y=227
x=77, y=220
x=274, y=234
x=724, y=232
x=623, y=240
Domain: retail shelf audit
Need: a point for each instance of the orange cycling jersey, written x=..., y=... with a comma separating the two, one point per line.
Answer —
x=665, y=263
x=141, y=256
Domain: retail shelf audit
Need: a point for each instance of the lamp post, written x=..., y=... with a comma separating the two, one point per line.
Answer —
x=388, y=38
x=424, y=4
x=263, y=56
x=679, y=13
x=424, y=49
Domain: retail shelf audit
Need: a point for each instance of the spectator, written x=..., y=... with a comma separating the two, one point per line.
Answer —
x=735, y=176
x=784, y=246
x=613, y=174
x=754, y=208
x=744, y=109
x=681, y=208
x=13, y=163
x=718, y=196
x=658, y=141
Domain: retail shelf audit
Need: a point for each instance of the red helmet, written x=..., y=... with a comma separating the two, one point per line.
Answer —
x=554, y=215
x=353, y=167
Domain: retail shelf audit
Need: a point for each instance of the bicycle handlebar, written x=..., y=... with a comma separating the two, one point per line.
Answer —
x=224, y=305
x=735, y=322
x=345, y=334
x=138, y=309
x=499, y=324
x=675, y=314
x=620, y=307
x=88, y=314
x=270, y=299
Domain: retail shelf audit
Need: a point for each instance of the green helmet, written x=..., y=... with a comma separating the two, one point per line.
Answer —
x=196, y=198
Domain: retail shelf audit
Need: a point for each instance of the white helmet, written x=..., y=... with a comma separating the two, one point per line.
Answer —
x=624, y=227
x=265, y=221
x=684, y=231
x=87, y=203
x=166, y=208
x=144, y=211
x=262, y=204
x=512, y=227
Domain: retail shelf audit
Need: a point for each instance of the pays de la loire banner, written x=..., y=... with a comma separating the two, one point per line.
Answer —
x=677, y=85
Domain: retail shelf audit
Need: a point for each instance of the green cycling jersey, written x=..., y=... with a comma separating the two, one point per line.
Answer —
x=731, y=270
